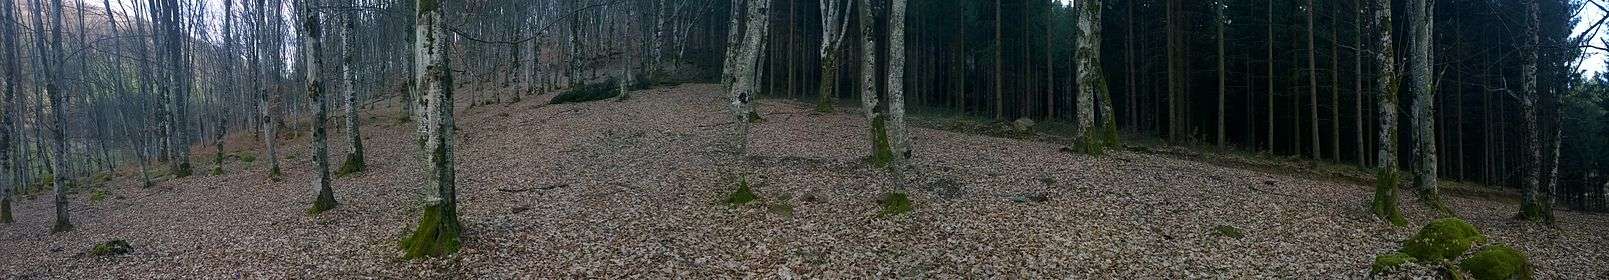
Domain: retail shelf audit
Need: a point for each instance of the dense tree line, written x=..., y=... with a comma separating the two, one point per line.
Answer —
x=1480, y=91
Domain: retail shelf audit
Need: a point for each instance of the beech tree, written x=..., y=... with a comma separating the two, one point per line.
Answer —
x=313, y=41
x=438, y=230
x=1386, y=175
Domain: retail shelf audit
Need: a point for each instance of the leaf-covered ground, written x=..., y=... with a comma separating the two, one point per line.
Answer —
x=635, y=188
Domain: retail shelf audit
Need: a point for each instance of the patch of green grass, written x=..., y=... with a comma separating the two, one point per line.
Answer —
x=247, y=157
x=110, y=248
x=1445, y=238
x=98, y=194
x=1228, y=231
x=1497, y=262
x=743, y=195
x=895, y=203
x=589, y=92
x=782, y=207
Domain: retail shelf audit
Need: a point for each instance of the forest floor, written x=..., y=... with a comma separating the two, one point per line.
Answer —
x=633, y=189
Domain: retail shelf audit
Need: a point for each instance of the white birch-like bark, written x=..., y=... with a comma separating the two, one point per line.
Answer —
x=742, y=88
x=438, y=231
x=354, y=138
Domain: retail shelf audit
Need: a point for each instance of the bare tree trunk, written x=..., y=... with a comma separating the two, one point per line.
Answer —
x=1218, y=10
x=1091, y=83
x=1424, y=118
x=1312, y=82
x=999, y=71
x=900, y=141
x=438, y=231
x=882, y=154
x=1386, y=177
x=9, y=52
x=1270, y=25
x=58, y=135
x=834, y=21
x=728, y=72
x=313, y=42
x=748, y=58
x=1536, y=203
x=354, y=138
x=1357, y=85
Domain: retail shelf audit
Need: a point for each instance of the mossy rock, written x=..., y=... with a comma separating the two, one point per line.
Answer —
x=895, y=203
x=1389, y=261
x=1442, y=239
x=111, y=248
x=1497, y=262
x=247, y=157
x=743, y=195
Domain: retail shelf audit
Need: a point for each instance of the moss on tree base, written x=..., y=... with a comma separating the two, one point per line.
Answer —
x=1535, y=212
x=182, y=170
x=61, y=226
x=437, y=234
x=353, y=164
x=882, y=154
x=274, y=174
x=324, y=202
x=5, y=210
x=1384, y=205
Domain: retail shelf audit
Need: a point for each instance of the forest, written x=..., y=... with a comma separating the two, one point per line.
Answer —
x=1409, y=139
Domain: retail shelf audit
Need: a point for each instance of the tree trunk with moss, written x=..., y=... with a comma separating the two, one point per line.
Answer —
x=745, y=74
x=881, y=152
x=1424, y=119
x=1092, y=83
x=834, y=20
x=1535, y=203
x=438, y=231
x=57, y=130
x=354, y=138
x=1386, y=177
x=8, y=37
x=314, y=43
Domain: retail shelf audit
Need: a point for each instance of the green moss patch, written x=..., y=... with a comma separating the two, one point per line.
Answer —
x=247, y=157
x=1442, y=239
x=1389, y=261
x=742, y=195
x=352, y=165
x=589, y=92
x=1497, y=262
x=98, y=195
x=1228, y=231
x=895, y=203
x=111, y=248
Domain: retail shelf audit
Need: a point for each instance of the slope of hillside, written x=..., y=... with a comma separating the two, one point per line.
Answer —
x=609, y=189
